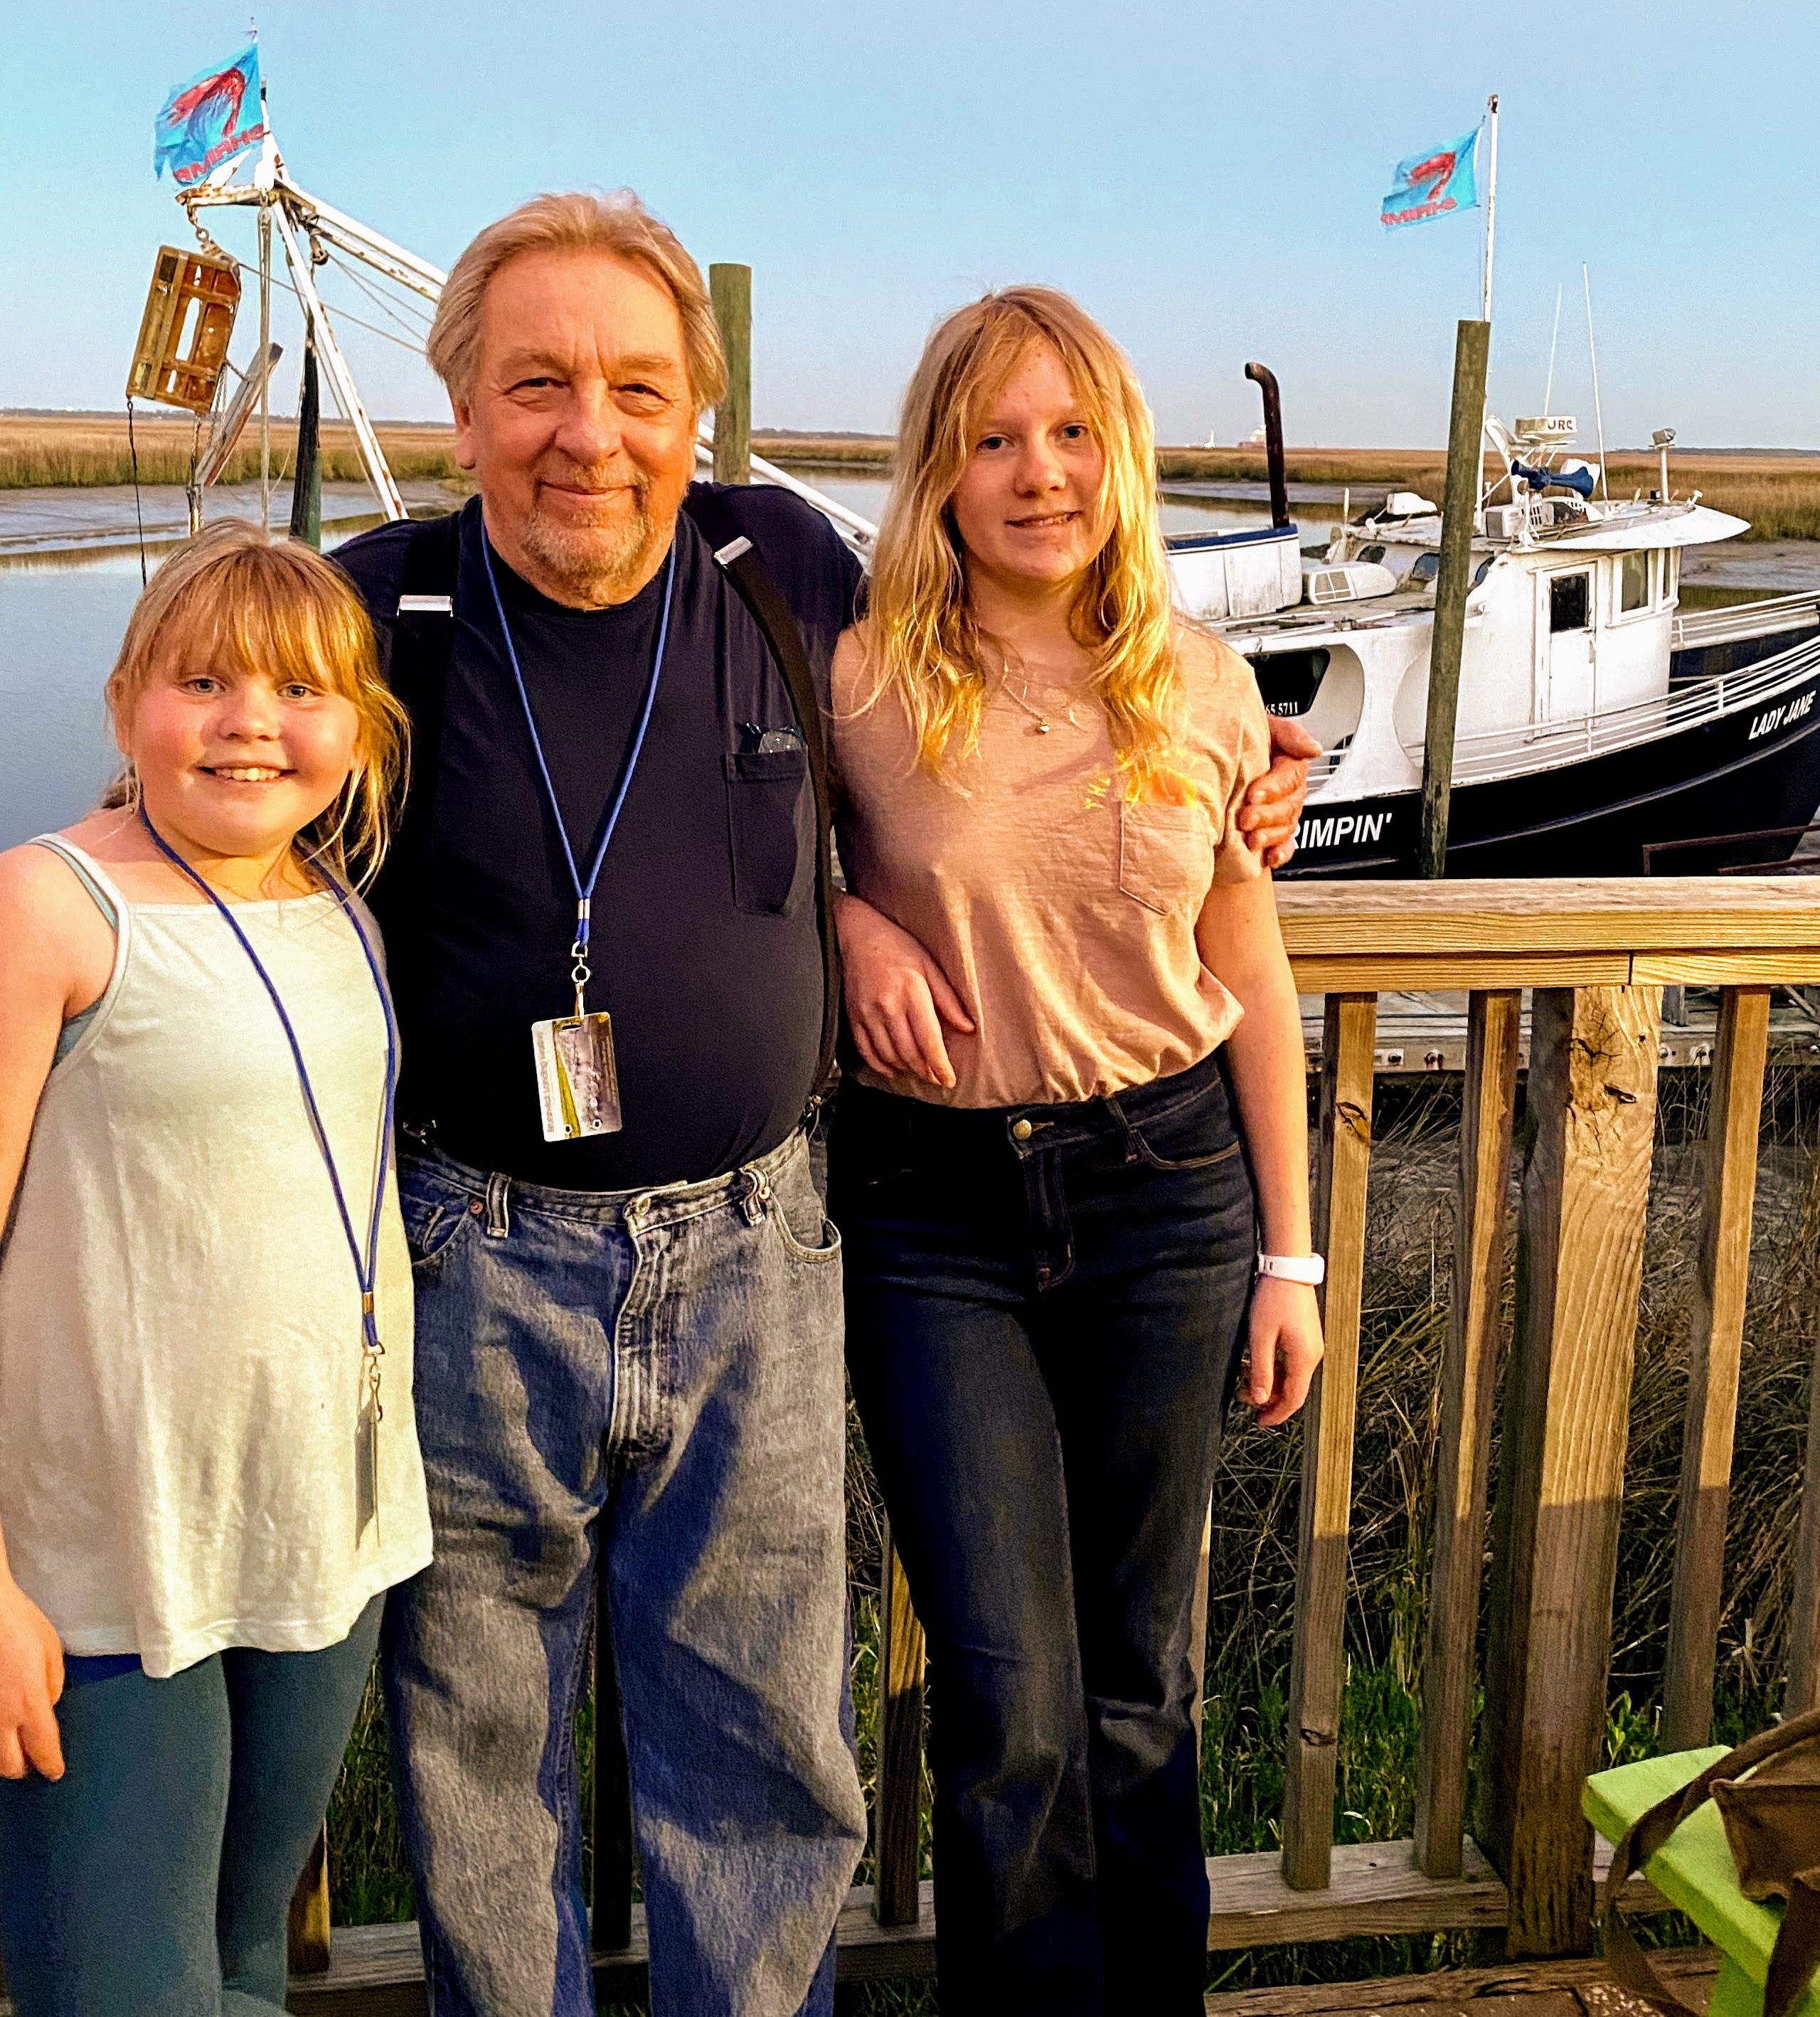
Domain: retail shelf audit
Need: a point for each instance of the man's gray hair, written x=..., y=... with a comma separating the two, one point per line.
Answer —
x=577, y=221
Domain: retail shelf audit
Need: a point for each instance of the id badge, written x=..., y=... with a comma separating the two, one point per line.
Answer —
x=578, y=1083
x=366, y=1469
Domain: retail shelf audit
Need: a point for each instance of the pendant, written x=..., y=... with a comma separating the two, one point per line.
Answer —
x=578, y=1082
x=1042, y=728
x=365, y=1468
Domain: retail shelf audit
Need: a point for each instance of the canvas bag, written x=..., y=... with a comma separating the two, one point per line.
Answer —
x=1772, y=1823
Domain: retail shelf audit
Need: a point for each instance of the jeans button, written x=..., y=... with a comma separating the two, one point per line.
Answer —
x=1021, y=1130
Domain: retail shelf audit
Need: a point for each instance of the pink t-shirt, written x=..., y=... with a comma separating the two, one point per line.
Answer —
x=1063, y=914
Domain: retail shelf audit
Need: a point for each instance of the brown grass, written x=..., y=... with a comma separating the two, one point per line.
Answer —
x=1778, y=495
x=38, y=450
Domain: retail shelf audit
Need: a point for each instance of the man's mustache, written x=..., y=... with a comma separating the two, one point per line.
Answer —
x=600, y=479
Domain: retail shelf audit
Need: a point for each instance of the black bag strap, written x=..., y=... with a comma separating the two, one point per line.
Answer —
x=1648, y=1833
x=416, y=644
x=740, y=561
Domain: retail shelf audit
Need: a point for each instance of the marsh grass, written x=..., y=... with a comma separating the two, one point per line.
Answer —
x=1780, y=496
x=1250, y=1619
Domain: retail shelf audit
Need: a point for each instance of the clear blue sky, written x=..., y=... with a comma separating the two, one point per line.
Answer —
x=1204, y=176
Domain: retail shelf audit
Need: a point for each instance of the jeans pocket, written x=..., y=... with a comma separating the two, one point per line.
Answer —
x=1166, y=855
x=434, y=1212
x=769, y=829
x=1195, y=1133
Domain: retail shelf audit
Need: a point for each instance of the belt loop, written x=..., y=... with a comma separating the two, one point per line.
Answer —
x=1115, y=1107
x=498, y=1220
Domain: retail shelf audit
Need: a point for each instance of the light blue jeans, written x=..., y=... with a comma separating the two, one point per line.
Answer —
x=658, y=1373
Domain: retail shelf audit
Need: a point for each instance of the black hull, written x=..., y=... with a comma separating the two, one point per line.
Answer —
x=1757, y=768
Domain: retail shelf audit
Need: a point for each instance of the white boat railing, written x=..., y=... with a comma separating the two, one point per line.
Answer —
x=1539, y=745
x=1739, y=621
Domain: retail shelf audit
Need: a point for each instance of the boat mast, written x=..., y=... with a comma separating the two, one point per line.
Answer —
x=1490, y=200
x=1592, y=351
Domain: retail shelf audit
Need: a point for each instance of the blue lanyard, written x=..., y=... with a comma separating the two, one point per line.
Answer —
x=366, y=1266
x=583, y=892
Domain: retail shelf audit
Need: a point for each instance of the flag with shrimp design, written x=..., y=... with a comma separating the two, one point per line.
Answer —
x=1434, y=183
x=216, y=116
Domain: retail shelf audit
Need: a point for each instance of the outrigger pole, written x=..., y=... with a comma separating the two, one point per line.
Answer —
x=1490, y=201
x=298, y=216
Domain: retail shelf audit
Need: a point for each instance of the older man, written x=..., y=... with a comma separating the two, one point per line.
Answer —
x=605, y=935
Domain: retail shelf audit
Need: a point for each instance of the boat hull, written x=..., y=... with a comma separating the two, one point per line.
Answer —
x=1742, y=773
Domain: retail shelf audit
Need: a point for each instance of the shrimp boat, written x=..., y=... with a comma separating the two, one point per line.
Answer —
x=1594, y=718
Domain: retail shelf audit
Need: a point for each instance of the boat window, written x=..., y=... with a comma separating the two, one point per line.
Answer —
x=1479, y=572
x=1373, y=556
x=1289, y=680
x=1427, y=567
x=1634, y=581
x=1570, y=603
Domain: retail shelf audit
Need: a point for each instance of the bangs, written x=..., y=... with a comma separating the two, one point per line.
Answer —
x=233, y=598
x=254, y=608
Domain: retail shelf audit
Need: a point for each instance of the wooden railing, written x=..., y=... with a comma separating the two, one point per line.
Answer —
x=1596, y=955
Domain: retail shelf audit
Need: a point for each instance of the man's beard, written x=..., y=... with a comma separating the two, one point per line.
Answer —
x=596, y=563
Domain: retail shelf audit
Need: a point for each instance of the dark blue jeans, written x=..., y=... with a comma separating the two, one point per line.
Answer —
x=154, y=1878
x=1044, y=1306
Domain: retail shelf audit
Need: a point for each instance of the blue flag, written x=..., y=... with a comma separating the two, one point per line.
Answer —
x=213, y=117
x=1434, y=183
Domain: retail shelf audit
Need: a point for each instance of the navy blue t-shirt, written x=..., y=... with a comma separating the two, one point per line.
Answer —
x=706, y=946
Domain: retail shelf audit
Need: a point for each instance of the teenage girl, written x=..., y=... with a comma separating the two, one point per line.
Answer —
x=208, y=1471
x=1078, y=1117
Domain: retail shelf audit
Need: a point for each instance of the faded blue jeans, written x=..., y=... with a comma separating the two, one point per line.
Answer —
x=658, y=1373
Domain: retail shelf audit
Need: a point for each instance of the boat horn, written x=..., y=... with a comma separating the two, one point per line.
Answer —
x=1262, y=376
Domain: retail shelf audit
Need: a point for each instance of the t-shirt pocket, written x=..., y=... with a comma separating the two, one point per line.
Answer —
x=1165, y=855
x=770, y=829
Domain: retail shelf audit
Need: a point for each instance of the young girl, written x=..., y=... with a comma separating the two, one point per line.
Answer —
x=208, y=1471
x=1060, y=955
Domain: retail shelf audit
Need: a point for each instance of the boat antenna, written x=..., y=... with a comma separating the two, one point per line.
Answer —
x=1593, y=354
x=1548, y=391
x=1490, y=199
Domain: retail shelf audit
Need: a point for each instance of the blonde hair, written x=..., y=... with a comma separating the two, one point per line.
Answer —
x=234, y=594
x=577, y=221
x=923, y=639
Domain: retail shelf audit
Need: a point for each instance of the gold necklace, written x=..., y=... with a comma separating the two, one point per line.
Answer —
x=1019, y=696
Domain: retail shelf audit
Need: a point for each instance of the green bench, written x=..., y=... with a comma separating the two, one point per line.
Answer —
x=1694, y=1872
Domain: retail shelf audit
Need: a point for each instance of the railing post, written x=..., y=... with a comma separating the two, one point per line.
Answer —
x=1803, y=1690
x=1715, y=1348
x=1318, y=1657
x=1593, y=1057
x=1468, y=1373
x=307, y=1936
x=897, y=1817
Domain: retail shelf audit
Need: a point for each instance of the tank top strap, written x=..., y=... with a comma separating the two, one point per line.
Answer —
x=113, y=907
x=88, y=872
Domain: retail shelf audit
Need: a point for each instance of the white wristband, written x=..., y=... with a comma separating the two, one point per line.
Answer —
x=1308, y=1268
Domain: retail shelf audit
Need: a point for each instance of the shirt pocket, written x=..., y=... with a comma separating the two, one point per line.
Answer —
x=1166, y=855
x=769, y=830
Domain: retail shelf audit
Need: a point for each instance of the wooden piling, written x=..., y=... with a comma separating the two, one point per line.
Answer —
x=1592, y=1059
x=897, y=1828
x=1471, y=347
x=730, y=290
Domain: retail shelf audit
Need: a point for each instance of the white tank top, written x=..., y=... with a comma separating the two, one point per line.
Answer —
x=180, y=1338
